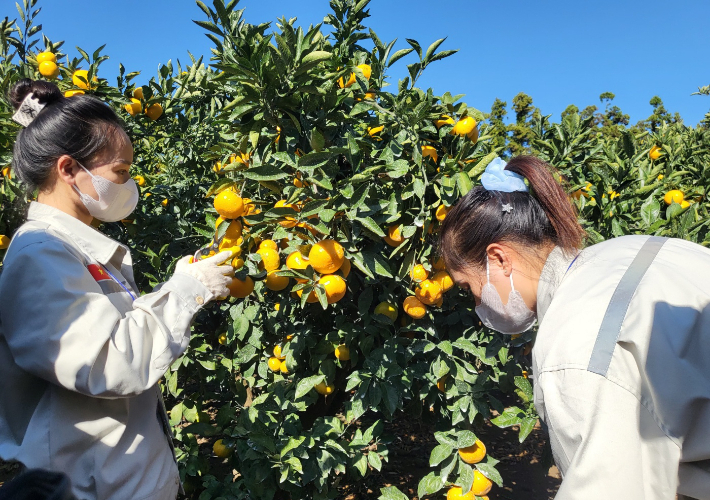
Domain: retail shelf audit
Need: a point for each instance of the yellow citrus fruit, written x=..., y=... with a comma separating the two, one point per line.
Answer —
x=324, y=389
x=277, y=352
x=326, y=256
x=221, y=450
x=138, y=93
x=298, y=180
x=342, y=352
x=441, y=383
x=217, y=168
x=674, y=195
x=289, y=221
x=270, y=260
x=473, y=135
x=456, y=493
x=684, y=204
x=345, y=268
x=428, y=292
x=444, y=120
x=237, y=262
x=474, y=453
x=481, y=484
x=443, y=279
x=134, y=108
x=232, y=236
x=49, y=69
x=72, y=93
x=241, y=289
x=140, y=180
x=441, y=212
x=394, y=237
x=414, y=307
x=387, y=309
x=373, y=131
x=274, y=364
x=229, y=204
x=439, y=302
x=222, y=339
x=297, y=261
x=418, y=273
x=4, y=242
x=164, y=202
x=464, y=126
x=268, y=244
x=439, y=264
x=275, y=282
x=46, y=56
x=283, y=368
x=82, y=73
x=277, y=306
x=430, y=152
x=335, y=287
x=154, y=111
x=370, y=96
x=655, y=152
x=366, y=70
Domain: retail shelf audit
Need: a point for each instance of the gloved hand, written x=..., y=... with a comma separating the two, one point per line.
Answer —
x=214, y=272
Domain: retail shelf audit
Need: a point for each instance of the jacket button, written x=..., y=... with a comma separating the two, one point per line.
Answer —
x=199, y=299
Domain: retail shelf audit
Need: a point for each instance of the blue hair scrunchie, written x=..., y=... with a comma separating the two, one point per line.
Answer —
x=496, y=178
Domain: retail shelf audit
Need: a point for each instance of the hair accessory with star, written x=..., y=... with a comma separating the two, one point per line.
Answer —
x=28, y=110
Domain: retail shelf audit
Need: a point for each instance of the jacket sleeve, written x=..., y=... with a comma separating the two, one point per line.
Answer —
x=605, y=442
x=60, y=327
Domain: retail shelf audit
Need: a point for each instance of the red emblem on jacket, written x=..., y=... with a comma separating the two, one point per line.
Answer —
x=97, y=272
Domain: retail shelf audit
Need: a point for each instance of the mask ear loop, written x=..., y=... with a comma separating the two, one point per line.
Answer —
x=511, y=281
x=488, y=272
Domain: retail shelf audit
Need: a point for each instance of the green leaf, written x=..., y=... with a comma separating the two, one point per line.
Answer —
x=429, y=484
x=526, y=427
x=316, y=56
x=650, y=210
x=510, y=417
x=399, y=55
x=265, y=173
x=391, y=493
x=306, y=385
x=293, y=443
x=439, y=454
x=465, y=438
x=374, y=460
x=371, y=225
x=490, y=472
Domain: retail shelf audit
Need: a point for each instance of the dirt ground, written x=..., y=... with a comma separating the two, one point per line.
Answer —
x=524, y=476
x=520, y=464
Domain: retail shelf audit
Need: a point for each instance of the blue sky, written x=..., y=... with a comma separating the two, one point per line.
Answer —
x=559, y=52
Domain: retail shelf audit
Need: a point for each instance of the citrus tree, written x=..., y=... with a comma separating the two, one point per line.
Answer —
x=292, y=148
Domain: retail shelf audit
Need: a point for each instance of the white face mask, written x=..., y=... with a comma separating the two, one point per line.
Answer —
x=116, y=201
x=511, y=318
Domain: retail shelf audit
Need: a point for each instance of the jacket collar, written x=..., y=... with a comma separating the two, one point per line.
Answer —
x=555, y=269
x=98, y=245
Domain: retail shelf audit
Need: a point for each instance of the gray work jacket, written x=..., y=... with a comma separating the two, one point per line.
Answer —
x=637, y=424
x=80, y=359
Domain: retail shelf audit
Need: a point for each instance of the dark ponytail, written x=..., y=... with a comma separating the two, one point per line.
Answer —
x=80, y=126
x=543, y=215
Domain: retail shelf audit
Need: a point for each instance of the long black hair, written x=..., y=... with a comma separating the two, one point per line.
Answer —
x=79, y=126
x=543, y=215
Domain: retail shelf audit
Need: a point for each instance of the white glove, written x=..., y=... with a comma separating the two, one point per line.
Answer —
x=214, y=272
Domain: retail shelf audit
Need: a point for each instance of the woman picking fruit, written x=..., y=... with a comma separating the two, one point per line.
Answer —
x=622, y=379
x=81, y=350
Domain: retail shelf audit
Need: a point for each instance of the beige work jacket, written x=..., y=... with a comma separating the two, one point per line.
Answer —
x=80, y=359
x=636, y=427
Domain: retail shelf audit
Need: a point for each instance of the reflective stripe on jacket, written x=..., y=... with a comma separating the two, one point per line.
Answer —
x=80, y=360
x=639, y=430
